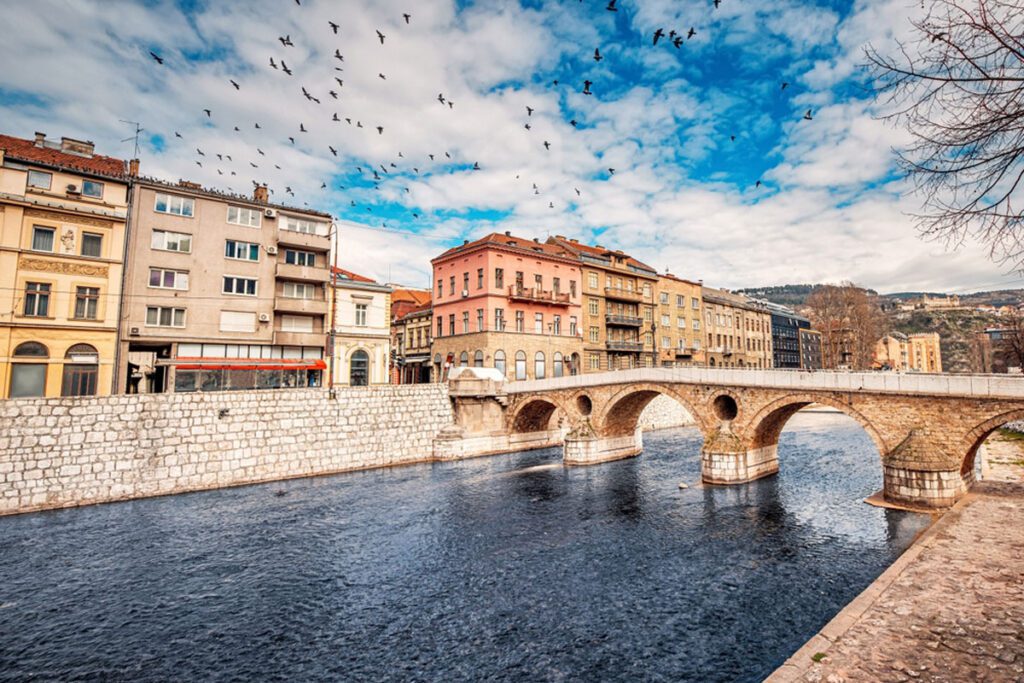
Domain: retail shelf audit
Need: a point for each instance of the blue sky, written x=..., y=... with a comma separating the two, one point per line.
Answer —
x=683, y=195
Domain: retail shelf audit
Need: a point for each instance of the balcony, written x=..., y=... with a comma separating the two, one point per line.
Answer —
x=620, y=294
x=623, y=320
x=284, y=338
x=537, y=296
x=303, y=240
x=628, y=346
x=289, y=271
x=306, y=306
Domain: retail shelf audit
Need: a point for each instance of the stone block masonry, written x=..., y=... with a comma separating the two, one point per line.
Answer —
x=65, y=452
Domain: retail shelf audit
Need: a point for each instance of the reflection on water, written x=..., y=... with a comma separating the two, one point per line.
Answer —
x=511, y=567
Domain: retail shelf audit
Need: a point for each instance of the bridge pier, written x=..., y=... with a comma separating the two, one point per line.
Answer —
x=917, y=488
x=739, y=467
x=589, y=449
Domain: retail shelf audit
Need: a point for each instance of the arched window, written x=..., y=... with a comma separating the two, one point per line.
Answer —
x=478, y=359
x=558, y=367
x=499, y=361
x=28, y=378
x=437, y=367
x=464, y=359
x=538, y=365
x=520, y=365
x=712, y=362
x=574, y=364
x=81, y=371
x=359, y=369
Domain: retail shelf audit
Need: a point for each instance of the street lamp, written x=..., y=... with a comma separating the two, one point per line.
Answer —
x=654, y=344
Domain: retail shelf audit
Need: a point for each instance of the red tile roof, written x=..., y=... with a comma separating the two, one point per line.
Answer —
x=598, y=251
x=409, y=295
x=349, y=275
x=512, y=242
x=26, y=150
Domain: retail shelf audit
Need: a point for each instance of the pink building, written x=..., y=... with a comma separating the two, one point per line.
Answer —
x=508, y=303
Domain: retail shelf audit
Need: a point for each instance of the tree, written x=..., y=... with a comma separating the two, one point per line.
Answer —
x=1011, y=340
x=850, y=320
x=958, y=87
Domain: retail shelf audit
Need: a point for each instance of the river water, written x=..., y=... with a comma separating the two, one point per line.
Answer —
x=502, y=568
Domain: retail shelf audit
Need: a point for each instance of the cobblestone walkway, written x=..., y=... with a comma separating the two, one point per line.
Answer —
x=951, y=609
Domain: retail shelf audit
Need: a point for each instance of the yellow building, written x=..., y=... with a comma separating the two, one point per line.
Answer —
x=62, y=230
x=738, y=330
x=913, y=353
x=678, y=316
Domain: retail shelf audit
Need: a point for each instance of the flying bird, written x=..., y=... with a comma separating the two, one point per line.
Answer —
x=200, y=152
x=257, y=126
x=237, y=130
x=178, y=135
x=382, y=77
x=380, y=130
x=381, y=36
x=784, y=85
x=547, y=145
x=302, y=128
x=440, y=97
x=757, y=184
x=199, y=164
x=597, y=54
x=577, y=191
x=261, y=152
x=273, y=63
x=529, y=111
x=807, y=116
x=234, y=84
x=333, y=151
x=527, y=126
x=717, y=3
x=323, y=186
x=611, y=171
x=291, y=139
x=341, y=83
x=573, y=123
x=657, y=35
x=157, y=58
x=333, y=94
x=476, y=165
x=586, y=88
x=334, y=27
x=407, y=17
x=335, y=117
x=691, y=33
x=678, y=42
x=208, y=114
x=337, y=55
x=611, y=6
x=284, y=68
x=286, y=41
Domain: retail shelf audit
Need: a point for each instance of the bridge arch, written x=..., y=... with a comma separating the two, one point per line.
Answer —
x=534, y=415
x=977, y=436
x=766, y=425
x=620, y=414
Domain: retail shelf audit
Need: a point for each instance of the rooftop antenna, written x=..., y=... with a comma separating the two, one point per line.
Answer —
x=138, y=129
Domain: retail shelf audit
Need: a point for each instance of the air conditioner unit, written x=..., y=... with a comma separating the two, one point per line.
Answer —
x=264, y=317
x=272, y=249
x=73, y=189
x=270, y=213
x=134, y=332
x=465, y=293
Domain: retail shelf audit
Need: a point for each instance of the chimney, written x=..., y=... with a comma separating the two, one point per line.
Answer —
x=536, y=240
x=261, y=194
x=80, y=147
x=508, y=233
x=40, y=139
x=133, y=168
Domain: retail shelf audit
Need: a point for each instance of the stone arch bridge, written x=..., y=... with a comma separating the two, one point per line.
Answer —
x=927, y=428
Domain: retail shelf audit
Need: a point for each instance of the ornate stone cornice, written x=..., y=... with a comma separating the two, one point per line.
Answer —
x=70, y=217
x=62, y=267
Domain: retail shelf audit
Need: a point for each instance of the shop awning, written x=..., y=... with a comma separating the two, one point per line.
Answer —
x=246, y=364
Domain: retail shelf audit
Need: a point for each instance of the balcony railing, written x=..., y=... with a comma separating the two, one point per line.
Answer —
x=290, y=271
x=621, y=294
x=307, y=306
x=631, y=346
x=623, y=320
x=536, y=295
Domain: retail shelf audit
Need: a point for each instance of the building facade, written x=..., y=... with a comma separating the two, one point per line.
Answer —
x=738, y=330
x=810, y=349
x=787, y=326
x=508, y=303
x=618, y=307
x=222, y=291
x=63, y=212
x=678, y=324
x=411, y=345
x=909, y=353
x=362, y=330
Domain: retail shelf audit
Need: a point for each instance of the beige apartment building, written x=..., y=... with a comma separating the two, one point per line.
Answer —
x=618, y=307
x=679, y=322
x=222, y=291
x=914, y=352
x=738, y=330
x=362, y=329
x=62, y=228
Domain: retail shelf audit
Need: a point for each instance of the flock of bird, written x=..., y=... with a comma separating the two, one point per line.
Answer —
x=226, y=165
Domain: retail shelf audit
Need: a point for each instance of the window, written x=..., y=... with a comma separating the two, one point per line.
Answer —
x=81, y=370
x=37, y=299
x=592, y=307
x=479, y=320
x=361, y=315
x=681, y=322
x=696, y=323
x=538, y=323
x=465, y=282
x=451, y=285
x=663, y=297
x=594, y=334
x=647, y=290
x=680, y=301
x=478, y=359
x=172, y=241
x=519, y=280
x=173, y=204
x=520, y=365
x=666, y=320
x=572, y=288
x=538, y=365
x=237, y=321
x=160, y=316
x=301, y=225
x=648, y=314
x=86, y=302
x=296, y=323
x=463, y=359
x=573, y=331
x=440, y=288
x=592, y=280
x=92, y=244
x=556, y=324
x=242, y=251
x=666, y=342
x=499, y=361
x=556, y=285
x=696, y=343
x=558, y=366
x=694, y=302
x=239, y=285
x=479, y=278
x=440, y=326
x=238, y=215
x=40, y=179
x=465, y=322
x=298, y=290
x=359, y=369
x=29, y=379
x=594, y=361
x=91, y=188
x=538, y=282
x=499, y=319
x=42, y=238
x=520, y=321
x=168, y=279
x=451, y=323
x=499, y=277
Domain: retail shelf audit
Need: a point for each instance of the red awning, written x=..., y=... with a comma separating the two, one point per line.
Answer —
x=248, y=364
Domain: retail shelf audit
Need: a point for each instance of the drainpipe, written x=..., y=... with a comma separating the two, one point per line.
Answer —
x=334, y=305
x=132, y=177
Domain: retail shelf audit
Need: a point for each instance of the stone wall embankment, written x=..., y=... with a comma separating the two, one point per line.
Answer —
x=64, y=452
x=664, y=412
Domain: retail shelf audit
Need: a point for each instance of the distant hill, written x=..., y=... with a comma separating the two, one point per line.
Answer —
x=787, y=295
x=796, y=295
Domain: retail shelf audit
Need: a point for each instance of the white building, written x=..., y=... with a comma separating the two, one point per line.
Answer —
x=362, y=330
